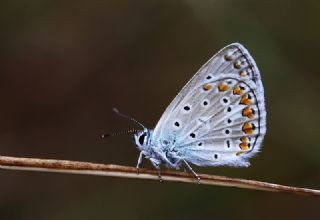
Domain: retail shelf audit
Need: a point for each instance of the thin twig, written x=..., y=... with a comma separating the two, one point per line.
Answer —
x=75, y=167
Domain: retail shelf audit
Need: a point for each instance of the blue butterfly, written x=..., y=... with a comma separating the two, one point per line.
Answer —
x=217, y=119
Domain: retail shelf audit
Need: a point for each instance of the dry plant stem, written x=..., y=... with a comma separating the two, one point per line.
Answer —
x=75, y=167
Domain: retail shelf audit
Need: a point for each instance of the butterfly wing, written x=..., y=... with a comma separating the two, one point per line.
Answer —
x=219, y=117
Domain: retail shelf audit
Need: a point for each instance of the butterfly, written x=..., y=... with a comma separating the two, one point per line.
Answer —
x=217, y=119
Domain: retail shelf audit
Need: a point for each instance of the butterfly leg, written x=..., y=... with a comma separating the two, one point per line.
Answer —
x=139, y=162
x=191, y=170
x=156, y=164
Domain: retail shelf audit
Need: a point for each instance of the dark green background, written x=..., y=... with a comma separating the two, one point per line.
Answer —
x=65, y=64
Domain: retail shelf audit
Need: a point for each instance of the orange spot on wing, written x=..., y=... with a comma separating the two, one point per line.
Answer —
x=245, y=100
x=243, y=73
x=207, y=87
x=237, y=90
x=227, y=57
x=223, y=87
x=237, y=65
x=244, y=139
x=248, y=128
x=244, y=143
x=247, y=111
x=244, y=146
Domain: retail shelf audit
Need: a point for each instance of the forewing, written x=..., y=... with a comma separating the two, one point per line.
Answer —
x=218, y=118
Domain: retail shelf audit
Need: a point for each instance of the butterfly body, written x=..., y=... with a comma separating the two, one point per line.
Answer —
x=158, y=154
x=217, y=119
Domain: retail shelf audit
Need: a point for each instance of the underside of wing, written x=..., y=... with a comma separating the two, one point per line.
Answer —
x=219, y=117
x=227, y=125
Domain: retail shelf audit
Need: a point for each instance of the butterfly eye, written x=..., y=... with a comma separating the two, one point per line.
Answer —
x=141, y=138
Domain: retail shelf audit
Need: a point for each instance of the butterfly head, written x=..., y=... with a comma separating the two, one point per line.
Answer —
x=141, y=138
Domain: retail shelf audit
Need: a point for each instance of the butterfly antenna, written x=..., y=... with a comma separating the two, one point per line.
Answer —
x=119, y=133
x=128, y=117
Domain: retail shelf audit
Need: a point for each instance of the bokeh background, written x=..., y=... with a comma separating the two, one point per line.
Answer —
x=65, y=64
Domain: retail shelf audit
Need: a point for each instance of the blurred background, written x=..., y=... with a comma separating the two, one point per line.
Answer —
x=65, y=64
